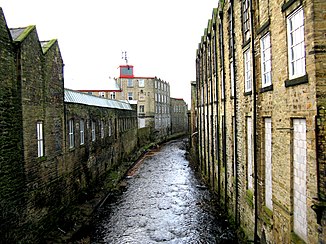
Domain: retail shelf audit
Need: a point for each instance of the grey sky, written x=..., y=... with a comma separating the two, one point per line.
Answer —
x=160, y=36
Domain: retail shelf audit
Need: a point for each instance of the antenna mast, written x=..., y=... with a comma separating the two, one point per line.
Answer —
x=124, y=56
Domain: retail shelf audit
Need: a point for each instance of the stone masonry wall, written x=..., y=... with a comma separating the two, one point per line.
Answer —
x=12, y=183
x=293, y=106
x=38, y=192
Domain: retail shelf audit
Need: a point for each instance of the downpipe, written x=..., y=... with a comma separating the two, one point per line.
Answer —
x=256, y=238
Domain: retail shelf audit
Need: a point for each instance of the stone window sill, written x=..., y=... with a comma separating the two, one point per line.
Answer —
x=248, y=93
x=266, y=89
x=296, y=81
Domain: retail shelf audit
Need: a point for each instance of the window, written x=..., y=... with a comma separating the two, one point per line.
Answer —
x=82, y=131
x=130, y=83
x=130, y=97
x=300, y=178
x=127, y=70
x=110, y=127
x=40, y=140
x=112, y=95
x=141, y=83
x=93, y=130
x=247, y=67
x=266, y=67
x=230, y=30
x=71, y=133
x=249, y=154
x=268, y=163
x=222, y=86
x=232, y=78
x=296, y=51
x=141, y=109
x=102, y=129
x=101, y=94
x=245, y=19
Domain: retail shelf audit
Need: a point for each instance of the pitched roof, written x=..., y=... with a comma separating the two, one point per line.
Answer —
x=47, y=44
x=19, y=34
x=82, y=98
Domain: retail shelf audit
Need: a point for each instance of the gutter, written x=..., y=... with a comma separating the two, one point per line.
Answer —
x=256, y=238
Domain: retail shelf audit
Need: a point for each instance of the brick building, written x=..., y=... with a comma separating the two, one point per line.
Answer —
x=260, y=99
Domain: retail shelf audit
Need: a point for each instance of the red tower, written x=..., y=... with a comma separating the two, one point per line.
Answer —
x=126, y=71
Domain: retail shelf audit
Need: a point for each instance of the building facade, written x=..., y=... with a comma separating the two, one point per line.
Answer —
x=152, y=96
x=260, y=116
x=179, y=116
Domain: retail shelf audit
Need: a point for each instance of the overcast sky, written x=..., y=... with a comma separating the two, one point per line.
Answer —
x=160, y=36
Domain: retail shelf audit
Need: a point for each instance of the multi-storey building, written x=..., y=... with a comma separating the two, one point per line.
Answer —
x=260, y=97
x=152, y=96
x=179, y=116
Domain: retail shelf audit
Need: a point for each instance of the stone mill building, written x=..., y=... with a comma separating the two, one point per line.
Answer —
x=259, y=116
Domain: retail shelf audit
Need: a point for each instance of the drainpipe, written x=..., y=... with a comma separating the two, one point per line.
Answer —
x=207, y=115
x=200, y=111
x=235, y=122
x=212, y=117
x=224, y=117
x=203, y=113
x=217, y=136
x=204, y=106
x=256, y=239
x=197, y=105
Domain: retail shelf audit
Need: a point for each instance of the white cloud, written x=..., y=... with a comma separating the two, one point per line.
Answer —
x=160, y=36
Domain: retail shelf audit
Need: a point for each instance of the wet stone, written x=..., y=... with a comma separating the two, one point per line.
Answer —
x=163, y=202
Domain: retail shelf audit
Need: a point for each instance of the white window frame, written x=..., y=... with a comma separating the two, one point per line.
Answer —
x=268, y=164
x=102, y=128
x=266, y=63
x=110, y=127
x=82, y=131
x=141, y=108
x=247, y=70
x=300, y=213
x=141, y=83
x=101, y=94
x=40, y=138
x=296, y=49
x=71, y=133
x=130, y=83
x=249, y=154
x=232, y=78
x=93, y=127
x=112, y=95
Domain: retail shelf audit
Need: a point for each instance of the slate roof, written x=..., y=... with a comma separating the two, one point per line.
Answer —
x=16, y=32
x=82, y=98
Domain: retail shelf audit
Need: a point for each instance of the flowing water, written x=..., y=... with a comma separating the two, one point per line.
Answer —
x=162, y=202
